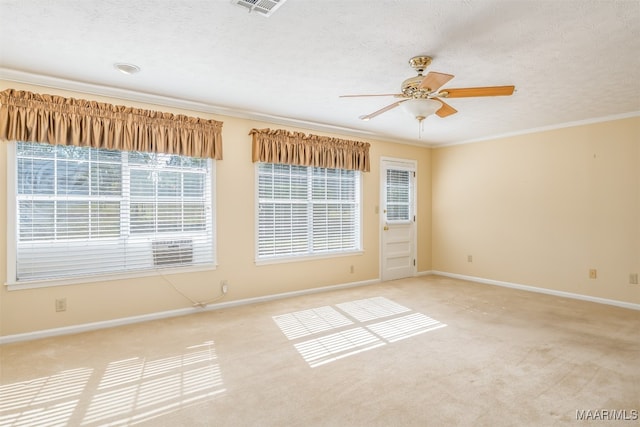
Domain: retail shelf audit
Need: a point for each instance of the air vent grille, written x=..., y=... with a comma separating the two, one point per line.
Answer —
x=263, y=7
x=172, y=252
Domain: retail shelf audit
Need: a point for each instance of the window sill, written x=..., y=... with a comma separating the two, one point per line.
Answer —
x=302, y=258
x=106, y=277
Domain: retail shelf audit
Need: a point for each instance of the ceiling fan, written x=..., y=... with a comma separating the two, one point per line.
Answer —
x=421, y=95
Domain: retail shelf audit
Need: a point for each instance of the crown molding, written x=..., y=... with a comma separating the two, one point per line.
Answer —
x=609, y=118
x=150, y=98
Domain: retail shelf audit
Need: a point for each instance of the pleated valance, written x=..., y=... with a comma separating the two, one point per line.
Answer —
x=26, y=116
x=297, y=148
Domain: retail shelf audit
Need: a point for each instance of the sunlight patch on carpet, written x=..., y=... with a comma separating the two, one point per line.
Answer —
x=351, y=327
x=125, y=392
x=372, y=308
x=137, y=389
x=328, y=348
x=405, y=327
x=44, y=401
x=308, y=322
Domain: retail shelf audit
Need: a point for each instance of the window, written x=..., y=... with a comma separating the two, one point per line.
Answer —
x=84, y=211
x=398, y=195
x=307, y=211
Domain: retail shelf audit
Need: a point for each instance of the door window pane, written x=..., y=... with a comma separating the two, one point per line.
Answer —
x=398, y=190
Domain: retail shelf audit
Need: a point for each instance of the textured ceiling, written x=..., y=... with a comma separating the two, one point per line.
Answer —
x=570, y=61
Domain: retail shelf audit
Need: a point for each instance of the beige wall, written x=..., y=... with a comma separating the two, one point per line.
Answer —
x=23, y=311
x=539, y=209
x=542, y=209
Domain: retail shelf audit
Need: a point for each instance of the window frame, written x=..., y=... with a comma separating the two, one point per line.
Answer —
x=287, y=258
x=410, y=193
x=12, y=239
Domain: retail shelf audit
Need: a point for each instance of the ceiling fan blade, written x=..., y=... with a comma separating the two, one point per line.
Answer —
x=382, y=110
x=445, y=110
x=433, y=81
x=397, y=95
x=478, y=91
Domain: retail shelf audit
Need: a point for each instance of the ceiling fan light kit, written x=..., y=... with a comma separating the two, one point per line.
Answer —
x=421, y=96
x=421, y=108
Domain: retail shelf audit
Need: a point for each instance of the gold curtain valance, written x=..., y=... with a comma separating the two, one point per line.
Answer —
x=297, y=148
x=26, y=116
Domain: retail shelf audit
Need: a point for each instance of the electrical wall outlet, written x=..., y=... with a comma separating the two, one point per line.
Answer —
x=224, y=286
x=593, y=273
x=61, y=304
x=352, y=269
x=633, y=278
x=469, y=258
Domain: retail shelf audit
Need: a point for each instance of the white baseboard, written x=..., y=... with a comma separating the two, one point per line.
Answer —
x=85, y=327
x=273, y=297
x=617, y=303
x=425, y=273
x=184, y=311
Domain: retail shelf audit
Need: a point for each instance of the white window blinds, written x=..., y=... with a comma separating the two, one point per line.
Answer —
x=398, y=195
x=84, y=211
x=307, y=211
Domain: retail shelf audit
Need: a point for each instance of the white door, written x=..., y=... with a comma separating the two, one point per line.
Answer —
x=398, y=219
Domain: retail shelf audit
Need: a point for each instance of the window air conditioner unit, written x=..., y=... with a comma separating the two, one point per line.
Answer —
x=172, y=252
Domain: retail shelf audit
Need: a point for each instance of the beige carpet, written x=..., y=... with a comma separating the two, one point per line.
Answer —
x=428, y=351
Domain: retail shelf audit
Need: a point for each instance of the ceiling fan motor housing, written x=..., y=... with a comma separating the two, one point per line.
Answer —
x=411, y=88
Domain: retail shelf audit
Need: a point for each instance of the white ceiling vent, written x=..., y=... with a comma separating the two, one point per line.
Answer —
x=263, y=7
